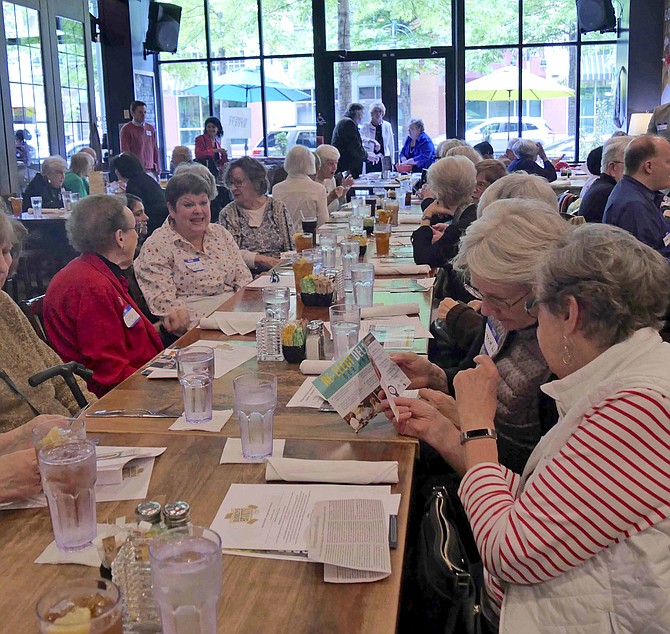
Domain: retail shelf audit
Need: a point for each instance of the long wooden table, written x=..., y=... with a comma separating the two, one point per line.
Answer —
x=258, y=595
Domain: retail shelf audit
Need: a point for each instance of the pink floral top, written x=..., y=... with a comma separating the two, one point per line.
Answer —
x=171, y=272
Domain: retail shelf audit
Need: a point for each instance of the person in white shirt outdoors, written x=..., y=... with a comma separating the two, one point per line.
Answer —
x=139, y=137
x=329, y=156
x=377, y=136
x=301, y=195
x=188, y=267
x=259, y=223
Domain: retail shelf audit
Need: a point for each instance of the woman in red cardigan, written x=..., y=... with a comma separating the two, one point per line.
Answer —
x=208, y=150
x=89, y=315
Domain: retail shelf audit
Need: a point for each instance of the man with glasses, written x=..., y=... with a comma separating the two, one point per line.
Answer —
x=611, y=171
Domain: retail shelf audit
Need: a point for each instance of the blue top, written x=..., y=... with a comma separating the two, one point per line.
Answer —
x=636, y=208
x=423, y=152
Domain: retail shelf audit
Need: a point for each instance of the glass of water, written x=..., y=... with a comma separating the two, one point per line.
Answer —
x=345, y=325
x=36, y=204
x=356, y=224
x=277, y=300
x=255, y=398
x=363, y=280
x=195, y=369
x=349, y=250
x=328, y=244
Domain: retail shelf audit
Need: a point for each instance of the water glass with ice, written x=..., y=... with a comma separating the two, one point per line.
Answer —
x=363, y=280
x=186, y=574
x=36, y=204
x=195, y=369
x=356, y=225
x=345, y=325
x=328, y=244
x=255, y=398
x=69, y=474
x=349, y=250
x=277, y=300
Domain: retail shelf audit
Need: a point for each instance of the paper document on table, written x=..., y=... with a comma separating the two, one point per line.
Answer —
x=395, y=337
x=273, y=519
x=111, y=461
x=350, y=533
x=338, y=574
x=286, y=278
x=227, y=356
x=352, y=385
x=231, y=323
x=404, y=285
x=420, y=331
x=307, y=396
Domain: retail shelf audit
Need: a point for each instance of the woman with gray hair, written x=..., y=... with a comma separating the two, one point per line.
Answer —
x=499, y=255
x=259, y=223
x=89, y=316
x=418, y=151
x=301, y=195
x=76, y=180
x=47, y=184
x=526, y=153
x=560, y=543
x=452, y=179
x=377, y=136
x=518, y=186
x=467, y=151
x=328, y=156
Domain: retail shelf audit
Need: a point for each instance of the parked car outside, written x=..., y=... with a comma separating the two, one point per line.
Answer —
x=498, y=130
x=281, y=140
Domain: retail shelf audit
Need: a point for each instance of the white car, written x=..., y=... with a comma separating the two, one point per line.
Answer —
x=294, y=135
x=498, y=130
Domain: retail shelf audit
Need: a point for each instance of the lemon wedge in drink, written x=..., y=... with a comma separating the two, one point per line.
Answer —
x=77, y=621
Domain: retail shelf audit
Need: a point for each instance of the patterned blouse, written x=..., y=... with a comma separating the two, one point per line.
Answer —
x=273, y=236
x=171, y=272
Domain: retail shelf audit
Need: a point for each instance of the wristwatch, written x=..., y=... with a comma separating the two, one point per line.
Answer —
x=473, y=434
x=424, y=217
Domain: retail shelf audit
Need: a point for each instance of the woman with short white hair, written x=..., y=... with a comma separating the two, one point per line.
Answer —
x=329, y=156
x=526, y=153
x=467, y=151
x=444, y=146
x=452, y=180
x=301, y=195
x=518, y=186
x=47, y=184
x=377, y=135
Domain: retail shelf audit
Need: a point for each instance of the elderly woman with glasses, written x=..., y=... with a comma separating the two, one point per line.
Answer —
x=499, y=254
x=259, y=223
x=48, y=184
x=579, y=542
x=329, y=156
x=89, y=316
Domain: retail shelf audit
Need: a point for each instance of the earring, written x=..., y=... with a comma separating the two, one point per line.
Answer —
x=566, y=357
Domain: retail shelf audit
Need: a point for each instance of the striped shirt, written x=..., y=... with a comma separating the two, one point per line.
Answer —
x=610, y=481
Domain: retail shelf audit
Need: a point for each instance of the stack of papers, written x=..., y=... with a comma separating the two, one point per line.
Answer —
x=232, y=323
x=332, y=471
x=410, y=285
x=408, y=268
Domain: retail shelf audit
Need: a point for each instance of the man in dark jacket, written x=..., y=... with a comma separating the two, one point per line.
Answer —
x=611, y=171
x=347, y=139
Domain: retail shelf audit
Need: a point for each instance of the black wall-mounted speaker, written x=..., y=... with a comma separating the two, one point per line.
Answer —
x=163, y=32
x=595, y=15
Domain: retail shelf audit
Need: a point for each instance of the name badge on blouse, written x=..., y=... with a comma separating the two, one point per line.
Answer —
x=666, y=239
x=194, y=264
x=130, y=316
x=147, y=132
x=491, y=339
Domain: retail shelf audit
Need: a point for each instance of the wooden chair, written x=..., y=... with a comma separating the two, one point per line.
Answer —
x=32, y=309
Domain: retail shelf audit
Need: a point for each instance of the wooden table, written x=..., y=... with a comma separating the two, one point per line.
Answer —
x=258, y=595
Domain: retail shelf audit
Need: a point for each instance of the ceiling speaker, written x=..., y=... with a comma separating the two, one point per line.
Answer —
x=163, y=32
x=595, y=15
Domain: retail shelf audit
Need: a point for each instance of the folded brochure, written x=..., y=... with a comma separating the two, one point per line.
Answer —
x=352, y=385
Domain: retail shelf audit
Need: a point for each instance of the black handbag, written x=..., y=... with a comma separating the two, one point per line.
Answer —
x=445, y=576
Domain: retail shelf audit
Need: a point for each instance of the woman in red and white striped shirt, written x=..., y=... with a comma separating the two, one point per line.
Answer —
x=581, y=541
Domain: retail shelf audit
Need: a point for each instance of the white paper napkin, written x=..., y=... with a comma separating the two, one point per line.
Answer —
x=390, y=310
x=315, y=367
x=232, y=323
x=232, y=451
x=335, y=471
x=409, y=219
x=219, y=419
x=86, y=557
x=401, y=269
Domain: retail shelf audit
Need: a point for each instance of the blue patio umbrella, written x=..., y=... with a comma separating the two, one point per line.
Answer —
x=244, y=86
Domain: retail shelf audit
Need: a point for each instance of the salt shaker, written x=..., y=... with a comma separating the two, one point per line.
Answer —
x=315, y=340
x=176, y=514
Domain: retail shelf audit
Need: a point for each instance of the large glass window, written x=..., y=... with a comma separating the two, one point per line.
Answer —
x=233, y=27
x=192, y=43
x=26, y=85
x=421, y=85
x=492, y=22
x=545, y=22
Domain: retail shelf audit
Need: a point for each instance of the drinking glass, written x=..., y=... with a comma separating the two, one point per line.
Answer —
x=349, y=250
x=303, y=265
x=383, y=239
x=309, y=225
x=186, y=574
x=57, y=431
x=17, y=206
x=277, y=300
x=67, y=202
x=345, y=325
x=363, y=280
x=356, y=225
x=36, y=204
x=68, y=478
x=303, y=241
x=255, y=398
x=195, y=369
x=99, y=598
x=74, y=196
x=328, y=244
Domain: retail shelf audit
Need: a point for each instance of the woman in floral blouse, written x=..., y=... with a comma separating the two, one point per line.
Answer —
x=260, y=224
x=189, y=264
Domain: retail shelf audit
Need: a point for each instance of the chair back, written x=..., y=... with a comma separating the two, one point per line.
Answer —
x=32, y=309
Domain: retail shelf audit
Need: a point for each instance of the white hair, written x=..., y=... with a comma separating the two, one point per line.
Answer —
x=327, y=153
x=444, y=146
x=453, y=179
x=377, y=105
x=299, y=160
x=53, y=164
x=525, y=148
x=467, y=151
x=613, y=150
x=519, y=185
x=507, y=245
x=203, y=172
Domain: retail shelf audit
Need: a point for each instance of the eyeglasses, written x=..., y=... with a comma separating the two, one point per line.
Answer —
x=496, y=302
x=239, y=182
x=532, y=307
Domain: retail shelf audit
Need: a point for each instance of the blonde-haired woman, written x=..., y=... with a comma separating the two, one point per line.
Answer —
x=76, y=180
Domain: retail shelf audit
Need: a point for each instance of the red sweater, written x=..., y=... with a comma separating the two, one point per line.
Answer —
x=141, y=141
x=205, y=150
x=84, y=319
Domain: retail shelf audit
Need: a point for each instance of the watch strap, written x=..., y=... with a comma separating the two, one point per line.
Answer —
x=473, y=434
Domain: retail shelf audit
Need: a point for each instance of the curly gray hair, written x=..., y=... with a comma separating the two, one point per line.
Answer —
x=453, y=179
x=518, y=185
x=53, y=165
x=418, y=123
x=93, y=222
x=620, y=284
x=200, y=170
